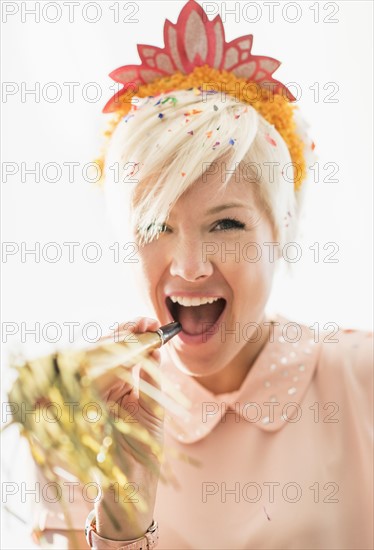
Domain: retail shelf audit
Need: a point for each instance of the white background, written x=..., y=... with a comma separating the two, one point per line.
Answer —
x=41, y=131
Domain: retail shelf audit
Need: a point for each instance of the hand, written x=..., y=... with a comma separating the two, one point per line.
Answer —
x=140, y=465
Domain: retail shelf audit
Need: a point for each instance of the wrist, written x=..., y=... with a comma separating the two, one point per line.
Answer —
x=147, y=541
x=116, y=521
x=116, y=524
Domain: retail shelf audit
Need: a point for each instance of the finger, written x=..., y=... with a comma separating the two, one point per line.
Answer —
x=144, y=324
x=121, y=331
x=136, y=325
x=119, y=401
x=120, y=380
x=156, y=355
x=119, y=391
x=146, y=401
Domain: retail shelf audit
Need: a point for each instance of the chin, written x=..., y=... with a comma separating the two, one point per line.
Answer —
x=195, y=364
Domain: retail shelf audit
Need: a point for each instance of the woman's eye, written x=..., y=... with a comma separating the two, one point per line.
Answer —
x=162, y=228
x=229, y=223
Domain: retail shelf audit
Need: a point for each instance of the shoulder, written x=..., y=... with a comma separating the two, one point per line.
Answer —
x=343, y=357
x=348, y=353
x=344, y=375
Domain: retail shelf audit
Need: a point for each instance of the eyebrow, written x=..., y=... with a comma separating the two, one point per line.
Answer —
x=221, y=207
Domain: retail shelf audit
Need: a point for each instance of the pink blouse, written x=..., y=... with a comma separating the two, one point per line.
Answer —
x=284, y=462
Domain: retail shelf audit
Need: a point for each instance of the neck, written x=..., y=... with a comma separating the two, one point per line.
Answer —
x=231, y=377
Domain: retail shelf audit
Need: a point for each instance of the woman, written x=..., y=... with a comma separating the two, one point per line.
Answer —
x=278, y=438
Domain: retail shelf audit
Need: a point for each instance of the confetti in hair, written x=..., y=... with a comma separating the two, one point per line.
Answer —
x=270, y=140
x=274, y=108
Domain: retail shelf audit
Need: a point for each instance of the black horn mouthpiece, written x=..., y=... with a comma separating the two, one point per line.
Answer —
x=167, y=332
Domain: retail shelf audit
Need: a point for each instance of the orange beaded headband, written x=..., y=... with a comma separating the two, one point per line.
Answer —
x=196, y=56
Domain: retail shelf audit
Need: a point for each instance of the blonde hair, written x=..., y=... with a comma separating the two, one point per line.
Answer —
x=168, y=142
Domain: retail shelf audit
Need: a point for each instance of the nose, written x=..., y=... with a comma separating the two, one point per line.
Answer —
x=188, y=260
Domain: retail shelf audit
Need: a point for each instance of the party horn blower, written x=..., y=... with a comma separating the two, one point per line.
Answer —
x=50, y=398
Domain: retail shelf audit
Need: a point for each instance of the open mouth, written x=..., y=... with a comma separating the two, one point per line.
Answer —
x=197, y=319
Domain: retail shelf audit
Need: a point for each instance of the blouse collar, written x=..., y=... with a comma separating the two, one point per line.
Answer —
x=270, y=395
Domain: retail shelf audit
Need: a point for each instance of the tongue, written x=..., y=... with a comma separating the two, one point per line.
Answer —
x=198, y=319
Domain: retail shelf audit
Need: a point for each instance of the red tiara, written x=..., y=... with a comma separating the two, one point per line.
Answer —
x=194, y=41
x=196, y=55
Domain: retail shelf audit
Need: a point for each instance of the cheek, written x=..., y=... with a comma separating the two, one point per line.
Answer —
x=250, y=274
x=253, y=253
x=150, y=268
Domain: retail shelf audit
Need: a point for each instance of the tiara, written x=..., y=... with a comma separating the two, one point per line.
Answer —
x=197, y=57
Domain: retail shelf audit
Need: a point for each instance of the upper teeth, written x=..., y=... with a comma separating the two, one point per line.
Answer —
x=185, y=301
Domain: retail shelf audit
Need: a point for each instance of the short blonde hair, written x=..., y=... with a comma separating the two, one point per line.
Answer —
x=168, y=142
